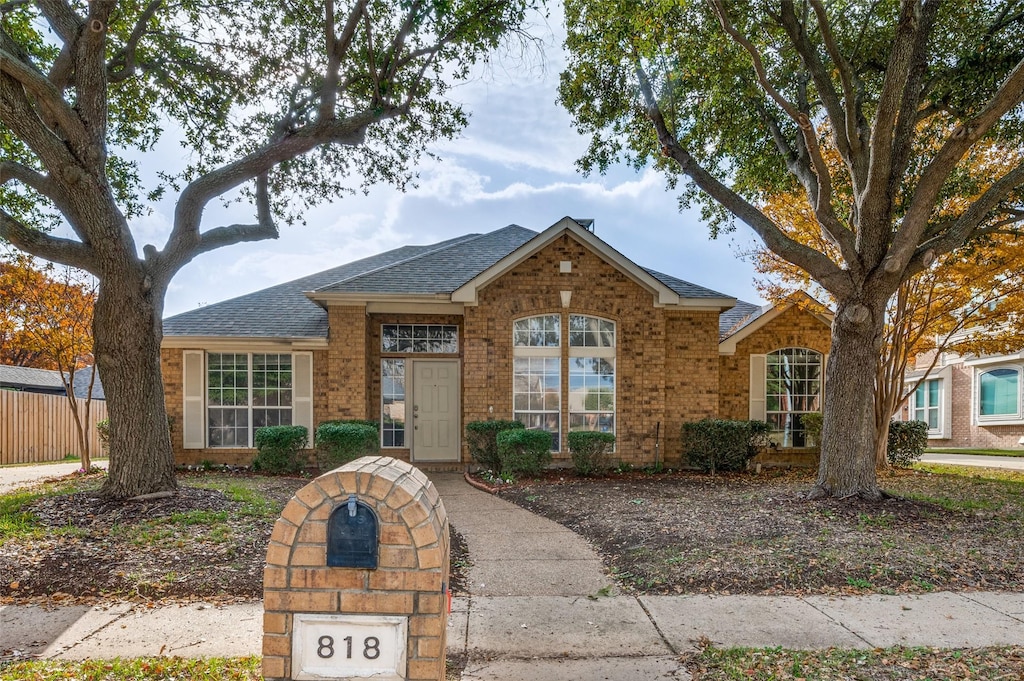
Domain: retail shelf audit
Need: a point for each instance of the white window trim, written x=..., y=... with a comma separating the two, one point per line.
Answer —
x=996, y=419
x=405, y=389
x=933, y=433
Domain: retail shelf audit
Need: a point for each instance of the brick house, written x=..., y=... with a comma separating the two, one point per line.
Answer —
x=968, y=401
x=556, y=329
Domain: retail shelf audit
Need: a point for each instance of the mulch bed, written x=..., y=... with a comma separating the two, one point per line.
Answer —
x=93, y=548
x=692, y=533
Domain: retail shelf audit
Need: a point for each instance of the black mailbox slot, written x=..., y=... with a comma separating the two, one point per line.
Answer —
x=352, y=536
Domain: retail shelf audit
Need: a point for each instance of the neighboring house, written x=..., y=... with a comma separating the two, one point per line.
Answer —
x=969, y=401
x=556, y=329
x=46, y=381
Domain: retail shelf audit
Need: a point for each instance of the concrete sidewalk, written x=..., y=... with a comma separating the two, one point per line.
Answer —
x=537, y=609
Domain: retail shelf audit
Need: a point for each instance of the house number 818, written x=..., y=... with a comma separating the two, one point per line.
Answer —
x=371, y=647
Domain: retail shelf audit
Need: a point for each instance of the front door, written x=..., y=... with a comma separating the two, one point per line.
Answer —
x=435, y=410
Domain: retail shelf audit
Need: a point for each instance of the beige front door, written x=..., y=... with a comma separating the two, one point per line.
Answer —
x=435, y=410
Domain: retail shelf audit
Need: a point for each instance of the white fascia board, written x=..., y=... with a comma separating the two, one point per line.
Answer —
x=244, y=343
x=467, y=293
x=994, y=359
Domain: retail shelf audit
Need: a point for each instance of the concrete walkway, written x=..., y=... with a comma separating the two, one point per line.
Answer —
x=13, y=477
x=537, y=608
x=1011, y=462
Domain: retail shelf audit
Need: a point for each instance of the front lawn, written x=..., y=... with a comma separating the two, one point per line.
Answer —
x=982, y=452
x=692, y=533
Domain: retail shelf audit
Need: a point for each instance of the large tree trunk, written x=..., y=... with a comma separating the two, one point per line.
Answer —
x=847, y=466
x=128, y=329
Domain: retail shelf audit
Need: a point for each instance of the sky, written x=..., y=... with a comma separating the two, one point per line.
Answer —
x=513, y=164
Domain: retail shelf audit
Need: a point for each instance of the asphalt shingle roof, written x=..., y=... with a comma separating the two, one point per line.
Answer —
x=439, y=270
x=284, y=311
x=27, y=377
x=732, y=320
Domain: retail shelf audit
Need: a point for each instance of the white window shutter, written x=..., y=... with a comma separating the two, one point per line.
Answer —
x=758, y=379
x=302, y=392
x=193, y=426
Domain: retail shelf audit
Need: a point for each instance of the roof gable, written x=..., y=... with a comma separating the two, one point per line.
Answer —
x=756, y=317
x=660, y=285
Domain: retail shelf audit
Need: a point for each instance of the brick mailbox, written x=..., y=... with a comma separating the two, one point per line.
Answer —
x=355, y=584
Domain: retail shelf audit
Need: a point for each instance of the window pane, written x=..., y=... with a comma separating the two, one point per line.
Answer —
x=537, y=387
x=591, y=332
x=792, y=388
x=543, y=331
x=999, y=390
x=592, y=392
x=419, y=338
x=392, y=390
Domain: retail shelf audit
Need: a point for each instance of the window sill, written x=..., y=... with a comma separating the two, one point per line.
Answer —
x=1010, y=421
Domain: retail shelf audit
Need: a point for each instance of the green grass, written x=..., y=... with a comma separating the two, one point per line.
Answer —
x=834, y=664
x=14, y=521
x=137, y=669
x=984, y=452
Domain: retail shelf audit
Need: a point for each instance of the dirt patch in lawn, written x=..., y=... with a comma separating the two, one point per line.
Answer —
x=691, y=533
x=207, y=541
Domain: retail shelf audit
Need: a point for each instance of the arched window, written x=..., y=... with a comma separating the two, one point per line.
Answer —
x=792, y=388
x=998, y=393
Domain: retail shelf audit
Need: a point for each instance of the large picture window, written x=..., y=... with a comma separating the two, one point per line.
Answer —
x=793, y=389
x=246, y=391
x=999, y=393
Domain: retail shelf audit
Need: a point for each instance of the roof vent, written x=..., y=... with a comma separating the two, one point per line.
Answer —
x=585, y=223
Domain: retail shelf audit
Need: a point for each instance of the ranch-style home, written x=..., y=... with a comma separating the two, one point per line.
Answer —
x=556, y=329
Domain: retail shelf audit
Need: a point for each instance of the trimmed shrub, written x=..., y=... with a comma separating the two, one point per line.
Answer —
x=812, y=427
x=523, y=452
x=481, y=436
x=279, y=449
x=590, y=450
x=720, y=445
x=907, y=440
x=338, y=442
x=363, y=422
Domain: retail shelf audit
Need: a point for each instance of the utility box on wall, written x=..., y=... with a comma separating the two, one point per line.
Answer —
x=355, y=584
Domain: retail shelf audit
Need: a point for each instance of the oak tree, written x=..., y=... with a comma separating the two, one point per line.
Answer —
x=281, y=104
x=734, y=97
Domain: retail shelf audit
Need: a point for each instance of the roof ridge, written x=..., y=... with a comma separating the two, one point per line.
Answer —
x=450, y=243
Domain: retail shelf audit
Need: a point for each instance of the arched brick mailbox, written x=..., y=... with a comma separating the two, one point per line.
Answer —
x=356, y=578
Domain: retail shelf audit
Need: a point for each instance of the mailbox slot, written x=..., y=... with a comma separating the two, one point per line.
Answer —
x=353, y=535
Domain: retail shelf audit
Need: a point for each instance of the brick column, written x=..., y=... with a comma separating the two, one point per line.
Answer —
x=410, y=579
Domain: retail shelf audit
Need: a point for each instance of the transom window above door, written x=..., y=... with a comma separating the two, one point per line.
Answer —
x=420, y=338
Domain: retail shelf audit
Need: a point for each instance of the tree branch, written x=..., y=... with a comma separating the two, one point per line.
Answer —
x=42, y=245
x=934, y=175
x=815, y=263
x=822, y=196
x=125, y=59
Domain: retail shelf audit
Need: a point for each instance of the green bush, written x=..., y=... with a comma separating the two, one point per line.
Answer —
x=338, y=442
x=481, y=436
x=279, y=449
x=720, y=445
x=812, y=427
x=363, y=422
x=523, y=452
x=590, y=450
x=907, y=440
x=103, y=433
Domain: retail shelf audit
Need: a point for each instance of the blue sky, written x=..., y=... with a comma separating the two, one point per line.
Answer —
x=515, y=163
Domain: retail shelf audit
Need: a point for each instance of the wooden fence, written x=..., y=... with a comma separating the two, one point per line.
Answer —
x=36, y=428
